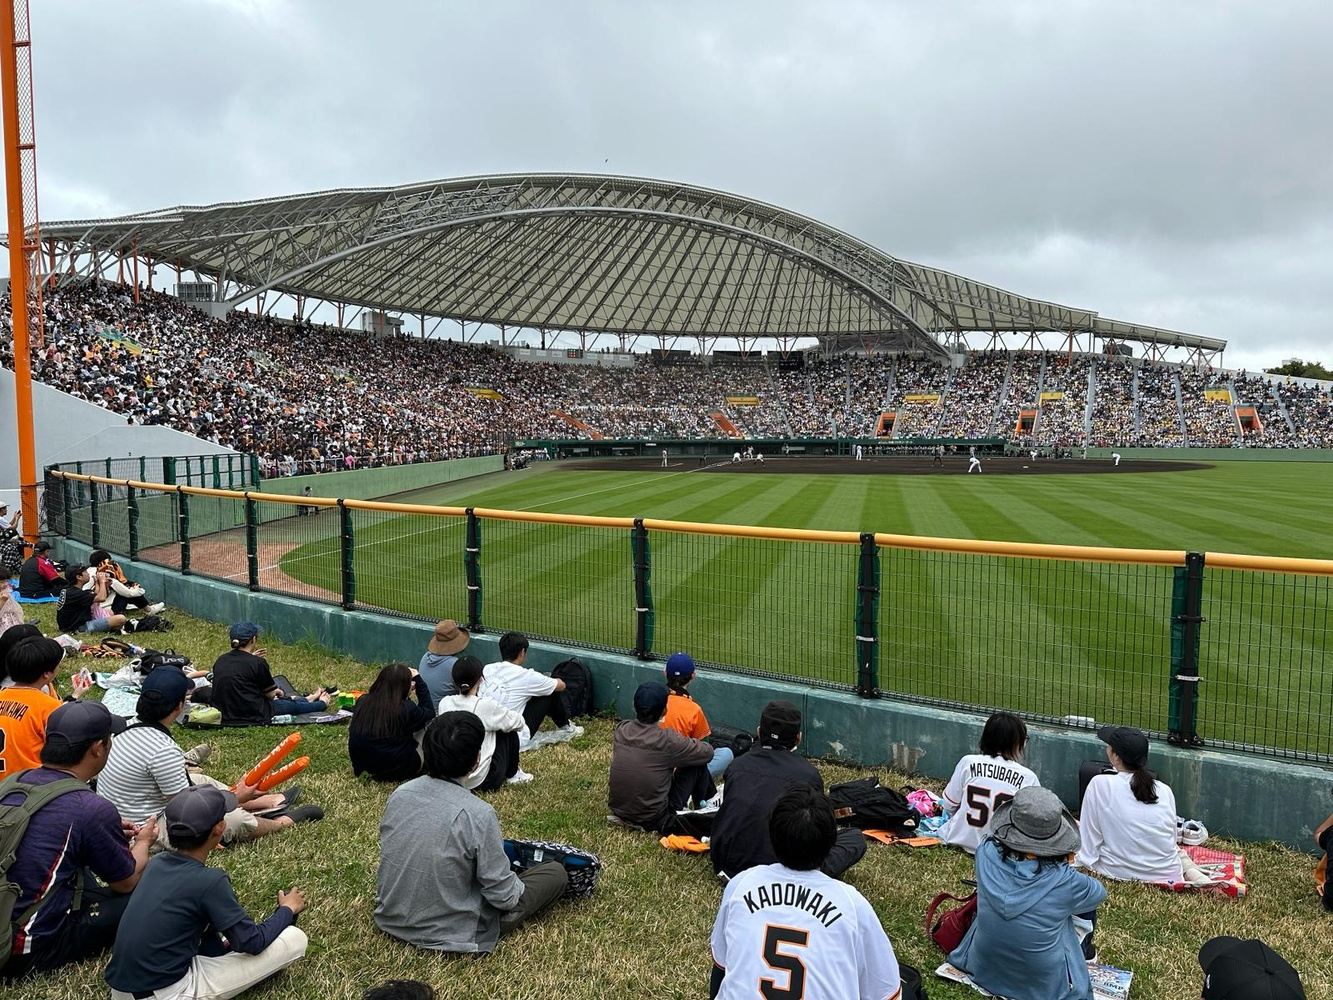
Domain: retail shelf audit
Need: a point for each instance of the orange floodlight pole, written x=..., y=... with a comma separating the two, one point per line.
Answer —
x=20, y=194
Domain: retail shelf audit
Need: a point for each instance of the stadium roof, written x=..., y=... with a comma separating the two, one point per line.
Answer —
x=579, y=252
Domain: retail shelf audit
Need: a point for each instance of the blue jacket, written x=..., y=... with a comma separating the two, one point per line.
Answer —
x=1022, y=943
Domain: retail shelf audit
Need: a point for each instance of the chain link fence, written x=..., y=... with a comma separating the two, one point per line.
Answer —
x=1200, y=648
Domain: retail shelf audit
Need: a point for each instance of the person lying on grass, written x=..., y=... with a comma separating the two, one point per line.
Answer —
x=184, y=935
x=656, y=772
x=382, y=737
x=147, y=769
x=445, y=882
x=243, y=688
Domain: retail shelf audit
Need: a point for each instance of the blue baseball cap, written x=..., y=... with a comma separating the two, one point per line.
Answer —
x=680, y=665
x=165, y=686
x=244, y=631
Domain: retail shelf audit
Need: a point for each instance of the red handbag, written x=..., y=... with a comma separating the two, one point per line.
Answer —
x=948, y=931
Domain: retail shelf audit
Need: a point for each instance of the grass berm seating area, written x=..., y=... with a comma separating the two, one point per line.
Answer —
x=645, y=932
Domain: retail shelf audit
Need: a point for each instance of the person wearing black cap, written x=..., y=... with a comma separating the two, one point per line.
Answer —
x=655, y=772
x=38, y=576
x=184, y=935
x=1128, y=820
x=69, y=840
x=1247, y=970
x=758, y=779
x=147, y=768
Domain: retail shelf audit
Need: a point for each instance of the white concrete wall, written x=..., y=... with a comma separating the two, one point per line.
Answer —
x=66, y=429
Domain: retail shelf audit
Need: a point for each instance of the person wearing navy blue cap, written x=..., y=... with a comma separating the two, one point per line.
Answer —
x=243, y=687
x=683, y=713
x=62, y=913
x=184, y=935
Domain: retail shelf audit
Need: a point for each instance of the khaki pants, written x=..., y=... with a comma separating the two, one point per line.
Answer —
x=231, y=974
x=241, y=825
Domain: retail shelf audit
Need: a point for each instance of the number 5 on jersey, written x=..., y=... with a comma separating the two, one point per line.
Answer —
x=775, y=938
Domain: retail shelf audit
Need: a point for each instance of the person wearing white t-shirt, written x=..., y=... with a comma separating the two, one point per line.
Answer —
x=532, y=694
x=982, y=782
x=789, y=930
x=1128, y=823
x=498, y=761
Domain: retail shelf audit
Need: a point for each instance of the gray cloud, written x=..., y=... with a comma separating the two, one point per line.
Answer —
x=1165, y=163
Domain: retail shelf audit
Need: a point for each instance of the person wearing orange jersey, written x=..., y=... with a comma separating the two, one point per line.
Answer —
x=684, y=715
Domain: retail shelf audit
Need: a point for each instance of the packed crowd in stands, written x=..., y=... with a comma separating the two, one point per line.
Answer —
x=310, y=398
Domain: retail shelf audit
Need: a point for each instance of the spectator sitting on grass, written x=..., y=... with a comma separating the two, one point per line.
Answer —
x=757, y=780
x=74, y=611
x=382, y=737
x=656, y=772
x=498, y=761
x=445, y=882
x=11, y=612
x=124, y=593
x=1247, y=970
x=184, y=935
x=243, y=688
x=71, y=835
x=437, y=663
x=38, y=576
x=981, y=782
x=685, y=716
x=147, y=769
x=532, y=694
x=791, y=920
x=26, y=705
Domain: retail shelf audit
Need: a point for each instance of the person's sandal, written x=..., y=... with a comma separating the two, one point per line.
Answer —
x=290, y=797
x=308, y=813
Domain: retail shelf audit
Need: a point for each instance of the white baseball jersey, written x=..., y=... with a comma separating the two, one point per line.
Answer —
x=979, y=786
x=782, y=934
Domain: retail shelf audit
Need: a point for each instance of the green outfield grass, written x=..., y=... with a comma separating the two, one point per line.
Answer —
x=1047, y=637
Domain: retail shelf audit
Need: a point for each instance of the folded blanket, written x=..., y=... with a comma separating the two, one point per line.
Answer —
x=1207, y=870
x=34, y=600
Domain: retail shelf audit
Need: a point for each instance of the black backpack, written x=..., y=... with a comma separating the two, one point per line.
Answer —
x=738, y=741
x=151, y=659
x=13, y=825
x=578, y=687
x=868, y=805
x=149, y=623
x=913, y=987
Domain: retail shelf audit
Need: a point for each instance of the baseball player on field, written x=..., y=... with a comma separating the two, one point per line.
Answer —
x=789, y=930
x=974, y=464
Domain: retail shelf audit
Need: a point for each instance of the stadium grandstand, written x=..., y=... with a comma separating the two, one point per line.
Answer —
x=625, y=309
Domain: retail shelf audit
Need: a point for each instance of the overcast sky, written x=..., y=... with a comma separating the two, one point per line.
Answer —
x=1164, y=163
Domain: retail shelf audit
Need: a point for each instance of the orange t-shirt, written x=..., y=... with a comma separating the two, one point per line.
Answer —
x=23, y=713
x=685, y=717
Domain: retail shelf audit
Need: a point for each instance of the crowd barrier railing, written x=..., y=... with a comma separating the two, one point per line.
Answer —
x=1223, y=648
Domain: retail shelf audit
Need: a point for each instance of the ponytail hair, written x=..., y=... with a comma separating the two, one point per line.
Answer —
x=467, y=674
x=678, y=685
x=1143, y=783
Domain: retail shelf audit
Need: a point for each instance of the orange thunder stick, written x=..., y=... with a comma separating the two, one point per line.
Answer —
x=274, y=757
x=283, y=773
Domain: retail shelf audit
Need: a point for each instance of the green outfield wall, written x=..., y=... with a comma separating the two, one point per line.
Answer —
x=1216, y=454
x=1236, y=795
x=371, y=484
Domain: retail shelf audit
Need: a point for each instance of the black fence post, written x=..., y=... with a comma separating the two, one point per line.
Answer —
x=183, y=528
x=867, y=618
x=1186, y=617
x=472, y=569
x=169, y=471
x=254, y=468
x=347, y=549
x=251, y=541
x=94, y=517
x=132, y=506
x=643, y=591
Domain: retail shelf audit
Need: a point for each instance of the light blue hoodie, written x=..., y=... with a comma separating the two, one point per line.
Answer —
x=1022, y=943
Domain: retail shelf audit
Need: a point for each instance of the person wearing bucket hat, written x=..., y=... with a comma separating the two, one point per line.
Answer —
x=1128, y=820
x=683, y=713
x=447, y=642
x=169, y=944
x=1023, y=942
x=1246, y=970
x=243, y=687
x=75, y=831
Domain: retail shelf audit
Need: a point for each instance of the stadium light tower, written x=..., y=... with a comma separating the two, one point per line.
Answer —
x=25, y=292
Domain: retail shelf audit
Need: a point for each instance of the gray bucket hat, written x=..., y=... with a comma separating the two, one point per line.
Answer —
x=1036, y=822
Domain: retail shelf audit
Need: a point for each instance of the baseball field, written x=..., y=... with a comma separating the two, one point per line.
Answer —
x=1054, y=638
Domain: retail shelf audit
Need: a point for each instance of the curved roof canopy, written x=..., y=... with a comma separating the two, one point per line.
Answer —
x=582, y=252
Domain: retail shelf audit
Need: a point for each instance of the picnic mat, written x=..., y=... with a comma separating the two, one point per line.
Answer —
x=1108, y=982
x=889, y=837
x=1216, y=871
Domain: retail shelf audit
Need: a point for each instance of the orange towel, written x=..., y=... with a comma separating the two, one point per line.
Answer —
x=690, y=845
x=887, y=837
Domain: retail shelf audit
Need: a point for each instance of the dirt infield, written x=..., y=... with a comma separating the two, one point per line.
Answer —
x=889, y=465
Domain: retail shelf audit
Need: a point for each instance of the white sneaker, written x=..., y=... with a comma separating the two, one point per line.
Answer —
x=155, y=609
x=521, y=777
x=1193, y=833
x=565, y=733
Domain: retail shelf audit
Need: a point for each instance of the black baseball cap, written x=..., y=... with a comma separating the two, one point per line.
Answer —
x=42, y=547
x=193, y=812
x=1246, y=970
x=779, y=724
x=165, y=686
x=1130, y=744
x=651, y=699
x=78, y=723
